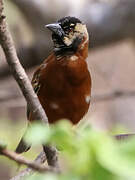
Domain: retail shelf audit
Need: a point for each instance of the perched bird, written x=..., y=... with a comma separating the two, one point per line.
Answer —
x=62, y=82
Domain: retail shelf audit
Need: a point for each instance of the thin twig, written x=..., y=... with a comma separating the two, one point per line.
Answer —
x=40, y=159
x=21, y=160
x=23, y=81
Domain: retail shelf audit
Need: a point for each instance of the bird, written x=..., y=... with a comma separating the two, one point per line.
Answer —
x=63, y=82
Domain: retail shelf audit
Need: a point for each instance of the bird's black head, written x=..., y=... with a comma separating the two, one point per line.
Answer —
x=67, y=34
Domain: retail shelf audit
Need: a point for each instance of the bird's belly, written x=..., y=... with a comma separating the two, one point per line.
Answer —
x=72, y=105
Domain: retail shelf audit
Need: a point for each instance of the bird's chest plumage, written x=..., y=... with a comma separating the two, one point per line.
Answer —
x=65, y=89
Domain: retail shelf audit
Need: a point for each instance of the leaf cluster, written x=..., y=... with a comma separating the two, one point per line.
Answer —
x=87, y=154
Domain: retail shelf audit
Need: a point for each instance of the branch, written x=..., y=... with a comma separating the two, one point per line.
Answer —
x=17, y=70
x=23, y=81
x=33, y=165
x=41, y=158
x=21, y=160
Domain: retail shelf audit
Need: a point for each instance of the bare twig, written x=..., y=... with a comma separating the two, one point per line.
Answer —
x=41, y=158
x=22, y=80
x=21, y=160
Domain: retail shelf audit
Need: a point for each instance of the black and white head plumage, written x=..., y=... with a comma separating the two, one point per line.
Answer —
x=68, y=36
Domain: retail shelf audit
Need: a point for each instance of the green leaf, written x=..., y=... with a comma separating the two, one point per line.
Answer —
x=37, y=134
x=87, y=154
x=98, y=172
x=112, y=156
x=62, y=135
x=69, y=176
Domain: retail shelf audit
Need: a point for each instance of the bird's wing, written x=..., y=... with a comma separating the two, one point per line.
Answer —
x=36, y=78
x=36, y=86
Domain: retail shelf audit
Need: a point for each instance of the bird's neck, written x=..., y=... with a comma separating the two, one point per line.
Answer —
x=81, y=48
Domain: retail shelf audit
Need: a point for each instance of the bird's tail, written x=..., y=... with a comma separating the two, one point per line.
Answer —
x=23, y=146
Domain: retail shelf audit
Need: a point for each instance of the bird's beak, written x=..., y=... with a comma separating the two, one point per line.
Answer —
x=56, y=28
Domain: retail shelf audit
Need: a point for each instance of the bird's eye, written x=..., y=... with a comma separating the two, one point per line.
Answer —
x=72, y=25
